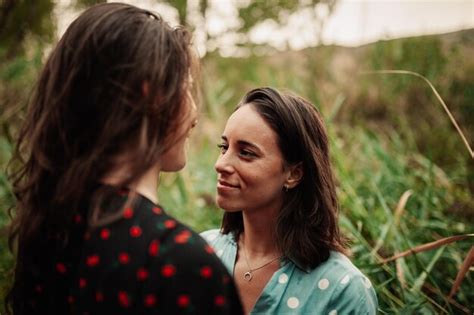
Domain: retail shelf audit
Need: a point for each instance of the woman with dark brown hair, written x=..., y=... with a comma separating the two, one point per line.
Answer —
x=280, y=237
x=112, y=109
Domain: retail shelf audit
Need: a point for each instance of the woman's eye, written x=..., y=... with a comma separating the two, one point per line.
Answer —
x=247, y=153
x=223, y=147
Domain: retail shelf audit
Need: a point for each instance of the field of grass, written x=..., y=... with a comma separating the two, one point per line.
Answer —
x=404, y=176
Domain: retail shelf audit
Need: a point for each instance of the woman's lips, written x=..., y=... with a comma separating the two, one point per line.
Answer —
x=223, y=186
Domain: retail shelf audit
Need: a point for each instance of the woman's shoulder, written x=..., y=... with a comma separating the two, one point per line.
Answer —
x=151, y=250
x=338, y=265
x=212, y=233
x=174, y=237
x=339, y=269
x=217, y=239
x=146, y=230
x=158, y=225
x=351, y=290
x=335, y=286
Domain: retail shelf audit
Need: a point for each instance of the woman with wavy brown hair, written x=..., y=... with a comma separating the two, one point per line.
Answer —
x=112, y=109
x=280, y=237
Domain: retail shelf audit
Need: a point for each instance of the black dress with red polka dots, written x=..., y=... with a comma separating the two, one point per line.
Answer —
x=145, y=262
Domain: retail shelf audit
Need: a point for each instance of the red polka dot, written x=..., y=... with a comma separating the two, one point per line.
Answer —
x=99, y=296
x=70, y=299
x=168, y=271
x=142, y=274
x=82, y=283
x=61, y=268
x=209, y=249
x=169, y=224
x=154, y=248
x=156, y=210
x=206, y=272
x=123, y=299
x=183, y=300
x=135, y=231
x=182, y=237
x=124, y=258
x=219, y=300
x=105, y=234
x=150, y=300
x=128, y=213
x=77, y=219
x=93, y=260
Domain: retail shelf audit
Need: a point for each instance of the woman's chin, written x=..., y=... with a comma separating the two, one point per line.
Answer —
x=174, y=167
x=226, y=206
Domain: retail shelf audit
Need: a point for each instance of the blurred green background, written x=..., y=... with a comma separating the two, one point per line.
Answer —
x=389, y=136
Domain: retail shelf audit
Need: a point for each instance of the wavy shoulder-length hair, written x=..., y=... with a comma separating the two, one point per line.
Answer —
x=118, y=80
x=307, y=225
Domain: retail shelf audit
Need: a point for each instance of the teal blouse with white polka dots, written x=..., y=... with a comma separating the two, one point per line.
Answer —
x=334, y=287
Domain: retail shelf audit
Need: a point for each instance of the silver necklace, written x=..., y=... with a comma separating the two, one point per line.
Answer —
x=248, y=275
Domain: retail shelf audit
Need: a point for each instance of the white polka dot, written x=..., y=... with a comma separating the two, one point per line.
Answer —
x=345, y=279
x=323, y=284
x=367, y=283
x=211, y=237
x=333, y=312
x=283, y=278
x=220, y=252
x=293, y=302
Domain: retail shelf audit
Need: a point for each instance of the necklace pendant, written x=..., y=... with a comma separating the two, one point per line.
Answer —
x=248, y=276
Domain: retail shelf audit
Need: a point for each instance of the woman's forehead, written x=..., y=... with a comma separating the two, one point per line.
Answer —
x=246, y=124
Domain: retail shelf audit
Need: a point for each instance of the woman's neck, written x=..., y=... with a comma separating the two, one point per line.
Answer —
x=258, y=236
x=146, y=185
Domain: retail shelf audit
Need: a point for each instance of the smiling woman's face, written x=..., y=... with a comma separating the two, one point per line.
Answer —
x=250, y=168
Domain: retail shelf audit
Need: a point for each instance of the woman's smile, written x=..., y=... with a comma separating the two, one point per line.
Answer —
x=226, y=187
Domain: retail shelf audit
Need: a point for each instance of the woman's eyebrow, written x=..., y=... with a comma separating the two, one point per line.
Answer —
x=248, y=144
x=245, y=143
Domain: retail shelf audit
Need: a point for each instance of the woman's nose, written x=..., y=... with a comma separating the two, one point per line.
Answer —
x=223, y=164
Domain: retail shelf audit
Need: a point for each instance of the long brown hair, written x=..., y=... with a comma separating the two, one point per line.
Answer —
x=119, y=79
x=307, y=228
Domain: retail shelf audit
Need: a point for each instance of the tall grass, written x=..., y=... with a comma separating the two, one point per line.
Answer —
x=373, y=175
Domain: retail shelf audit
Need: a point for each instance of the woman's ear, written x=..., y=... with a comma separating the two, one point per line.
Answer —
x=295, y=175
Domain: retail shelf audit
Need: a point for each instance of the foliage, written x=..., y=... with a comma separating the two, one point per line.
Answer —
x=250, y=14
x=276, y=10
x=22, y=19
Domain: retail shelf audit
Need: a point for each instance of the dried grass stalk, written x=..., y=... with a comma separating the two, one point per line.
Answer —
x=468, y=262
x=451, y=301
x=427, y=246
x=401, y=206
x=400, y=274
